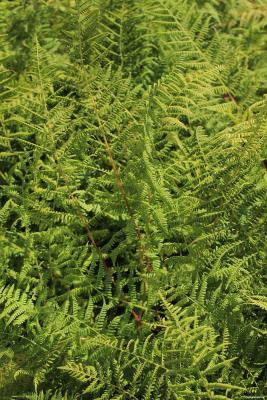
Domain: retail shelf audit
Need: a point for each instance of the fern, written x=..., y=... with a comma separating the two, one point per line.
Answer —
x=133, y=199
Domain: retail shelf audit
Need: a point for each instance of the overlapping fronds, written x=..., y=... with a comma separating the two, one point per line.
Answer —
x=133, y=199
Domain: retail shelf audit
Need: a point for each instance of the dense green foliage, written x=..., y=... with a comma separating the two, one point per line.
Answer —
x=133, y=199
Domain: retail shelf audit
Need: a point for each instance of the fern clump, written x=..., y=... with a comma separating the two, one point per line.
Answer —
x=133, y=199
